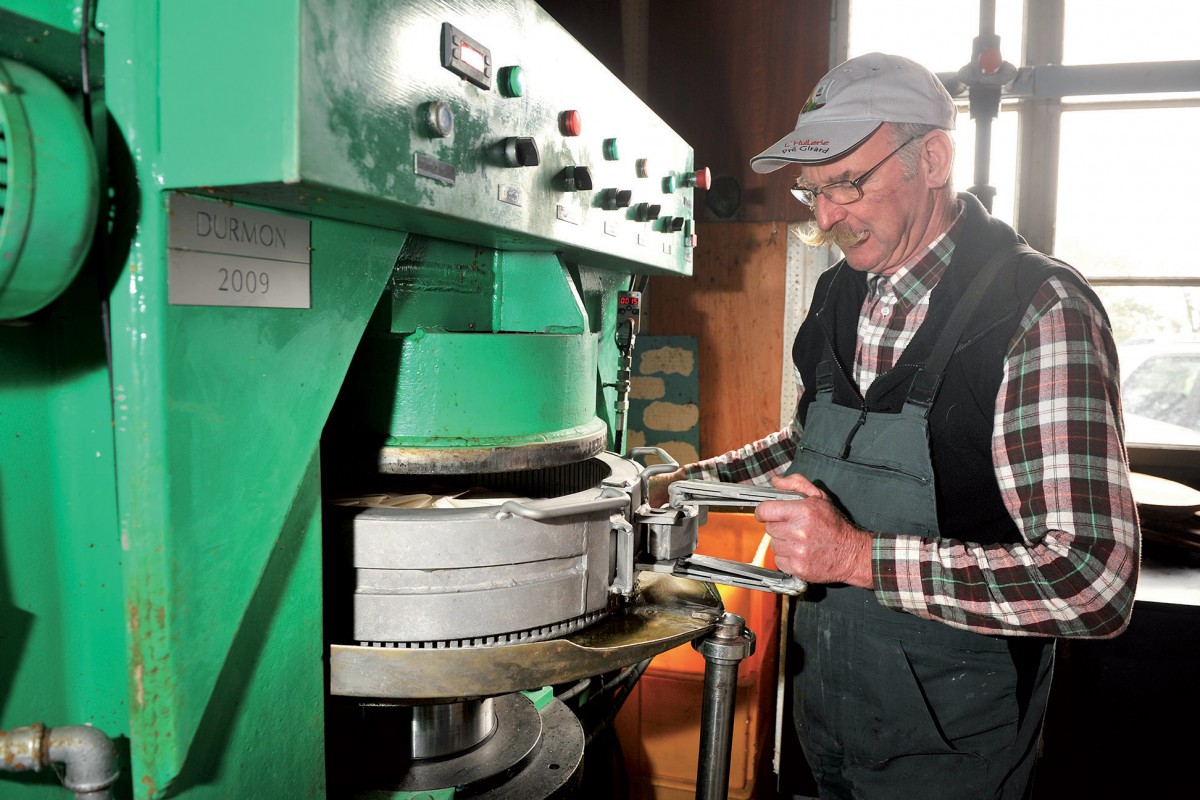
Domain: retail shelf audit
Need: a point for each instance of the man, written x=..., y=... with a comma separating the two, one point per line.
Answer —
x=959, y=441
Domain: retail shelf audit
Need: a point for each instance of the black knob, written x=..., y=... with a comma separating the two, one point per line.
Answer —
x=574, y=179
x=644, y=212
x=616, y=198
x=520, y=151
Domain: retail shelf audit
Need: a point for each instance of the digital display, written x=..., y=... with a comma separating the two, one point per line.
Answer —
x=472, y=57
x=466, y=57
x=629, y=305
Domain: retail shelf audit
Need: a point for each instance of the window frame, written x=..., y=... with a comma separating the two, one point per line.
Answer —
x=1040, y=95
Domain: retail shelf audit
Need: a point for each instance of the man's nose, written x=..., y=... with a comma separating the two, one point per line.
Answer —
x=827, y=213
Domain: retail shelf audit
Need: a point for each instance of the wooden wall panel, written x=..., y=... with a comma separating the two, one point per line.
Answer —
x=731, y=78
x=728, y=77
x=734, y=305
x=596, y=24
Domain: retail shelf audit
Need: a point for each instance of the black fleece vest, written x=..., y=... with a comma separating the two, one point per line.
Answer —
x=970, y=507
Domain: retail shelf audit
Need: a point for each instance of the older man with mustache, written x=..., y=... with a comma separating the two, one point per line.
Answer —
x=959, y=440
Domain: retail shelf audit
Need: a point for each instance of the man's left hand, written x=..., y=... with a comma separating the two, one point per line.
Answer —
x=812, y=539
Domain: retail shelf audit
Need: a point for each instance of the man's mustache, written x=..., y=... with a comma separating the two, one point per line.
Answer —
x=841, y=234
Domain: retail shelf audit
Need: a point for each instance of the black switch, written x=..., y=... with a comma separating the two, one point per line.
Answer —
x=574, y=179
x=644, y=212
x=614, y=199
x=520, y=151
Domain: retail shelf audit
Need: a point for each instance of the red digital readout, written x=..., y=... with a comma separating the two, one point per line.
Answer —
x=472, y=57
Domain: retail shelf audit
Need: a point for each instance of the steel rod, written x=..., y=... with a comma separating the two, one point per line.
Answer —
x=724, y=649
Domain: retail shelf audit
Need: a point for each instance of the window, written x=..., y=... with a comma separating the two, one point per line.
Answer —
x=1105, y=103
x=1161, y=391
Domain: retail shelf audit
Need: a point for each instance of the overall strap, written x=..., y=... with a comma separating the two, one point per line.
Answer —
x=824, y=377
x=928, y=379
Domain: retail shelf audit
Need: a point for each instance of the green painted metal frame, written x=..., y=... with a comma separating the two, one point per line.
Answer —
x=160, y=487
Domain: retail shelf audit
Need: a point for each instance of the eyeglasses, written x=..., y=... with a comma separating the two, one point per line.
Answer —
x=842, y=193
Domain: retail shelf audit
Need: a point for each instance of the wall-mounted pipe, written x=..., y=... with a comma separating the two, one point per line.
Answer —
x=89, y=758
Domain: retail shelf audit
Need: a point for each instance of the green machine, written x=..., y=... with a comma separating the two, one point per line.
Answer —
x=268, y=271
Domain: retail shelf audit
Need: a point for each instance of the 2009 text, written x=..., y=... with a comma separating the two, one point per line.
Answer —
x=247, y=281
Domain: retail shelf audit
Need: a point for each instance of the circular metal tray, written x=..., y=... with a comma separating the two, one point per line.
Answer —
x=664, y=613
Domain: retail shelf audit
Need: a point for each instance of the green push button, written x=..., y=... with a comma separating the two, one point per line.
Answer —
x=512, y=81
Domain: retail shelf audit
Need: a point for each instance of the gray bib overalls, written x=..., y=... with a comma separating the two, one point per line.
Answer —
x=887, y=705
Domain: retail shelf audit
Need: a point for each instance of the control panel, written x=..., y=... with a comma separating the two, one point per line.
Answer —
x=475, y=121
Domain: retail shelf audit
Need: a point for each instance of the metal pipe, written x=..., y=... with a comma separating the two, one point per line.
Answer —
x=88, y=756
x=984, y=94
x=723, y=651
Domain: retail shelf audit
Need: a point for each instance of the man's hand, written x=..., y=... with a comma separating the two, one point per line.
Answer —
x=659, y=485
x=811, y=538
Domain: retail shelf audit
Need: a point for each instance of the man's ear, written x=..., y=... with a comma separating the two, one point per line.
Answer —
x=937, y=159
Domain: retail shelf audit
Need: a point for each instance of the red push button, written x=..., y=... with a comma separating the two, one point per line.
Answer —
x=571, y=123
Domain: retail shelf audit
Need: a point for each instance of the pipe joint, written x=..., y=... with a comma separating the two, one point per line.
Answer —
x=21, y=748
x=88, y=756
x=729, y=643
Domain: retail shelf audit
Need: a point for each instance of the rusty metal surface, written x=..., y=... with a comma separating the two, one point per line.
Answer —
x=666, y=612
x=466, y=460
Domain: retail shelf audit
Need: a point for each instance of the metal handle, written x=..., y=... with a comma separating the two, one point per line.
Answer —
x=737, y=573
x=655, y=469
x=720, y=493
x=610, y=500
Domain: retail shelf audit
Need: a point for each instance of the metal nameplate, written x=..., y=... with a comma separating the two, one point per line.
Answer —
x=428, y=167
x=511, y=195
x=219, y=254
x=566, y=215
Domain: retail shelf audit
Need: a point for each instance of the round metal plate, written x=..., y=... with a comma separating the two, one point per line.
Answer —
x=555, y=769
x=466, y=460
x=518, y=730
x=532, y=755
x=666, y=612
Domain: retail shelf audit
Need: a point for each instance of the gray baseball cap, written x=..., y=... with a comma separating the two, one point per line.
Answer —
x=852, y=101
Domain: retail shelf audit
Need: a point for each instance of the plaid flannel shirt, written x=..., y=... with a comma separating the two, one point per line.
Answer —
x=1059, y=459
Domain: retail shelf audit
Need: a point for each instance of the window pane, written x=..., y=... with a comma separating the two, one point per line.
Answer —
x=1097, y=192
x=1160, y=390
x=1113, y=31
x=936, y=33
x=1002, y=170
x=1143, y=314
x=904, y=29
